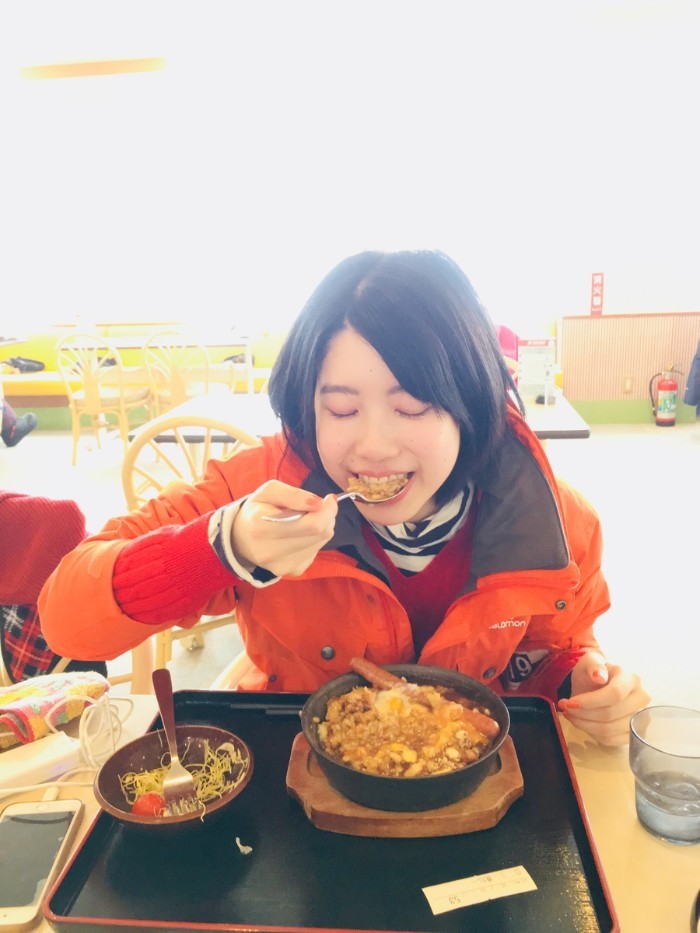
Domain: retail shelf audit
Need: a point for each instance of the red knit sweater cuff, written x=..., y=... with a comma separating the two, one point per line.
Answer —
x=169, y=573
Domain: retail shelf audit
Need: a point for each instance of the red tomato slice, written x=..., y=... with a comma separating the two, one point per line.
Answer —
x=150, y=804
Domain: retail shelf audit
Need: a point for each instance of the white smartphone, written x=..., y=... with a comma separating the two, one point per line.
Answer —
x=34, y=841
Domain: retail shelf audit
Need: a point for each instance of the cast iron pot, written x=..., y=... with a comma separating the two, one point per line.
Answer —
x=398, y=793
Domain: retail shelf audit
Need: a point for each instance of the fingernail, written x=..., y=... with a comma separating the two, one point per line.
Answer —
x=571, y=704
x=600, y=675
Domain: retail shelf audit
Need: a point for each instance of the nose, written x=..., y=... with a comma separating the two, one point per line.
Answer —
x=376, y=440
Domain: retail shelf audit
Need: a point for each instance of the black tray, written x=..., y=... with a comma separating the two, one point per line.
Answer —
x=302, y=878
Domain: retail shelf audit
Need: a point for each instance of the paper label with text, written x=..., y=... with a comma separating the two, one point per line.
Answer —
x=478, y=888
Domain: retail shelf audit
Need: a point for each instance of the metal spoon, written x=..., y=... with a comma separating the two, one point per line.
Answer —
x=287, y=515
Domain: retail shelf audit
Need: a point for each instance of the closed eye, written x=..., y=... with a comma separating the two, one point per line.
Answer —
x=415, y=414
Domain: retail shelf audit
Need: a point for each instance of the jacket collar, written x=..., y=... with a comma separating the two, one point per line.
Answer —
x=519, y=526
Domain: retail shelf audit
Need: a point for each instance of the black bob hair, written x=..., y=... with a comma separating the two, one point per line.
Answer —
x=421, y=314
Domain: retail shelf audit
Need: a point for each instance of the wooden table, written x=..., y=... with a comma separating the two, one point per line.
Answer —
x=652, y=883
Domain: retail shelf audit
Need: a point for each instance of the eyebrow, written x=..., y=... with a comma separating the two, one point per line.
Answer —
x=344, y=390
x=348, y=390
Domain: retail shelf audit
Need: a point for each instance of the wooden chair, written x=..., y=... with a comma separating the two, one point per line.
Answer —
x=142, y=666
x=177, y=449
x=98, y=386
x=178, y=368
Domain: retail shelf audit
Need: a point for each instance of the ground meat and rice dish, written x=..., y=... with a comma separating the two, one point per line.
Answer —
x=395, y=733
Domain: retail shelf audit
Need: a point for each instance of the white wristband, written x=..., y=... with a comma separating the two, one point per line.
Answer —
x=220, y=525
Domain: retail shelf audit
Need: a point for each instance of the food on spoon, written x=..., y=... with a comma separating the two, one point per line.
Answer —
x=218, y=773
x=393, y=732
x=372, y=488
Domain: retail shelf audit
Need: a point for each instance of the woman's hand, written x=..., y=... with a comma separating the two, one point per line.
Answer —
x=603, y=698
x=284, y=548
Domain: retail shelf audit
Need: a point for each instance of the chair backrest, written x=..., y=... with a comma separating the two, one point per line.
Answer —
x=178, y=448
x=86, y=364
x=178, y=367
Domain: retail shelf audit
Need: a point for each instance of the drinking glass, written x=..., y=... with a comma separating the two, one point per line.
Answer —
x=665, y=760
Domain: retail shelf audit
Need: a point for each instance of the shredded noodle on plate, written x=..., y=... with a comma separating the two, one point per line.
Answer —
x=220, y=772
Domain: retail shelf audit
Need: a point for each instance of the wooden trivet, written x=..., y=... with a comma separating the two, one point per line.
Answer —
x=329, y=810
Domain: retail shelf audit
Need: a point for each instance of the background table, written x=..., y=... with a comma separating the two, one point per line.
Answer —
x=556, y=421
x=249, y=411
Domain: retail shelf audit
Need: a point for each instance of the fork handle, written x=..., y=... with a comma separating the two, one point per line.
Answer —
x=163, y=686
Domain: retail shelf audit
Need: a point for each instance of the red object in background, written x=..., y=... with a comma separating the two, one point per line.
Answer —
x=664, y=406
x=508, y=341
x=597, y=293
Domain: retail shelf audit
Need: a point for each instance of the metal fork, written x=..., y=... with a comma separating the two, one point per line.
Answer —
x=179, y=789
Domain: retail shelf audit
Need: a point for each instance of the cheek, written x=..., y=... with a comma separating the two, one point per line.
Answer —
x=450, y=442
x=330, y=444
x=440, y=448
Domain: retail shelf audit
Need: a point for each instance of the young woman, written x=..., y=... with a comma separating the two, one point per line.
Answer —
x=483, y=563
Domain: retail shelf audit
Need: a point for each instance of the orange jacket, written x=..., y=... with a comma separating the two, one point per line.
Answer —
x=524, y=616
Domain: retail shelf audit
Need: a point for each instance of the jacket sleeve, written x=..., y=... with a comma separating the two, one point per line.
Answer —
x=80, y=614
x=692, y=386
x=169, y=573
x=559, y=641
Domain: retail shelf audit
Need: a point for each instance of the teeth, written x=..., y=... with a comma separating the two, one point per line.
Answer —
x=381, y=479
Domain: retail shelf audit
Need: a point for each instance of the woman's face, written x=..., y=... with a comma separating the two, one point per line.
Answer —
x=368, y=426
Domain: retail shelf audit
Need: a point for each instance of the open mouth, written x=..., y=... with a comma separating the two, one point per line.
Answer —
x=377, y=487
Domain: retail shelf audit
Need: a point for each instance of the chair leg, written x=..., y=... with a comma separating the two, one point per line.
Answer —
x=5, y=680
x=142, y=666
x=163, y=648
x=124, y=429
x=96, y=427
x=75, y=426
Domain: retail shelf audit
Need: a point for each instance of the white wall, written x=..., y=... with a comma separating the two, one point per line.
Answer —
x=535, y=142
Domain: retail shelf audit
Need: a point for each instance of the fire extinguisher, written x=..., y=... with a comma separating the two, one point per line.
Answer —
x=664, y=405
